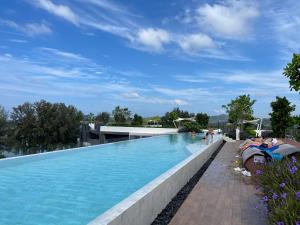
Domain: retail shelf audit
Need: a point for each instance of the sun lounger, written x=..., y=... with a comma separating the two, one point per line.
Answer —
x=286, y=149
x=252, y=158
x=263, y=148
x=250, y=152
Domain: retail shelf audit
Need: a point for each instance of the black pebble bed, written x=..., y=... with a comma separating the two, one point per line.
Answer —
x=167, y=213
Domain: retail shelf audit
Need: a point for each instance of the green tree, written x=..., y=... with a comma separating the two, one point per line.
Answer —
x=44, y=126
x=103, y=118
x=169, y=117
x=281, y=116
x=58, y=124
x=3, y=128
x=202, y=119
x=191, y=127
x=24, y=128
x=173, y=116
x=240, y=109
x=181, y=113
x=91, y=117
x=296, y=120
x=67, y=123
x=121, y=115
x=137, y=120
x=292, y=71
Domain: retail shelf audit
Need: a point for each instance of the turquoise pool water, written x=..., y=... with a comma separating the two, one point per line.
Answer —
x=74, y=187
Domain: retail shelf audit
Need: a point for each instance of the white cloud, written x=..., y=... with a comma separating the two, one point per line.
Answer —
x=57, y=72
x=153, y=39
x=108, y=5
x=194, y=43
x=8, y=55
x=284, y=20
x=18, y=40
x=118, y=30
x=131, y=95
x=34, y=29
x=67, y=55
x=186, y=93
x=230, y=19
x=44, y=78
x=30, y=29
x=111, y=18
x=107, y=16
x=268, y=79
x=257, y=83
x=135, y=97
x=59, y=10
x=190, y=79
x=180, y=102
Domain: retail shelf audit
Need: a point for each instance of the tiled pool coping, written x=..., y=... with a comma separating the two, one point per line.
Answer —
x=143, y=206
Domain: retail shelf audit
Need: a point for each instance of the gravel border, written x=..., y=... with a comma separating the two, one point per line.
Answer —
x=169, y=212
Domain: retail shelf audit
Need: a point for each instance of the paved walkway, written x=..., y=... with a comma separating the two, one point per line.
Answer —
x=221, y=197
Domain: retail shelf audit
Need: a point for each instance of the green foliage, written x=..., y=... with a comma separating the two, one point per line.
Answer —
x=121, y=115
x=3, y=127
x=90, y=117
x=281, y=116
x=103, y=118
x=152, y=120
x=250, y=132
x=173, y=116
x=169, y=117
x=24, y=131
x=202, y=119
x=137, y=120
x=155, y=118
x=296, y=120
x=182, y=114
x=44, y=126
x=240, y=109
x=191, y=127
x=280, y=182
x=292, y=71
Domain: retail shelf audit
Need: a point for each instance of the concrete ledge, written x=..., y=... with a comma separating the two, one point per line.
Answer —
x=137, y=131
x=143, y=206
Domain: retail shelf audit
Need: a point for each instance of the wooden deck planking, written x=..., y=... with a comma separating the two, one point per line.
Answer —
x=221, y=196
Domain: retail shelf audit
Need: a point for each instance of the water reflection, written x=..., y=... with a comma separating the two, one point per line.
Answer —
x=173, y=138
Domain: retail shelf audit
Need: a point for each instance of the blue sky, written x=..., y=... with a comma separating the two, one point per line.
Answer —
x=149, y=56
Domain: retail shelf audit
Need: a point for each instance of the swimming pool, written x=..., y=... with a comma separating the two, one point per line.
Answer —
x=75, y=186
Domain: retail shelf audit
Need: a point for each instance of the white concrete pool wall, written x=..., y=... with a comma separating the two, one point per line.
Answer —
x=143, y=206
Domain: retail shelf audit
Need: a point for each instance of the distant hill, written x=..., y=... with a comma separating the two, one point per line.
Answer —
x=223, y=118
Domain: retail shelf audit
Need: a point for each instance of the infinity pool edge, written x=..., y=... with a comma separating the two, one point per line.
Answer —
x=143, y=206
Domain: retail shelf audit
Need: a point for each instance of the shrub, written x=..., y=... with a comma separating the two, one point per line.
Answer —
x=191, y=127
x=137, y=120
x=280, y=182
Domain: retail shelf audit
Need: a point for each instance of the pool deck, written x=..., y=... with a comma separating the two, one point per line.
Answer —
x=221, y=196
